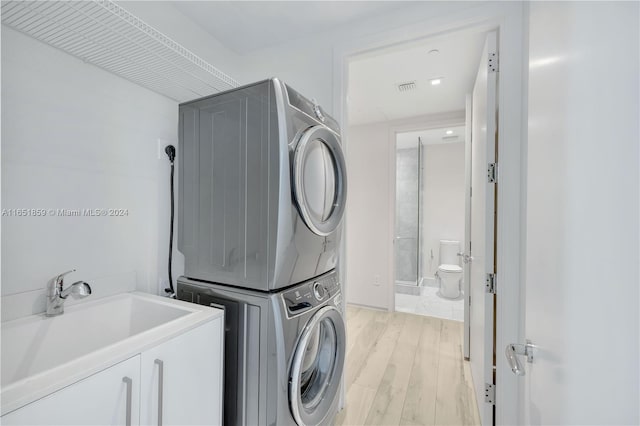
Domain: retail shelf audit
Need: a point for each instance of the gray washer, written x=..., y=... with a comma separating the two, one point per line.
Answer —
x=262, y=187
x=284, y=351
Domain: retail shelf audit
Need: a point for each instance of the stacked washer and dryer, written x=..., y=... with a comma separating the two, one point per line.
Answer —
x=262, y=194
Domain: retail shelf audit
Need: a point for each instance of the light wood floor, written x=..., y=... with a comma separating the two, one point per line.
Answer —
x=404, y=369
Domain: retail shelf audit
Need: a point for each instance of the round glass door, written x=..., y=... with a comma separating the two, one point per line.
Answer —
x=320, y=180
x=317, y=367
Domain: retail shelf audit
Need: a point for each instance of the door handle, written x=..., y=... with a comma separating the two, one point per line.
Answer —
x=513, y=350
x=129, y=383
x=160, y=365
x=465, y=257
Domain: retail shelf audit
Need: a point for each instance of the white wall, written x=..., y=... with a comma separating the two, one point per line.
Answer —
x=442, y=200
x=370, y=155
x=367, y=216
x=73, y=137
x=583, y=234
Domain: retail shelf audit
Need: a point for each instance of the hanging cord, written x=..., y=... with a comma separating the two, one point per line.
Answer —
x=171, y=153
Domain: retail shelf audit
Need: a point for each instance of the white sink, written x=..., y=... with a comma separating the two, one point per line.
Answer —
x=42, y=354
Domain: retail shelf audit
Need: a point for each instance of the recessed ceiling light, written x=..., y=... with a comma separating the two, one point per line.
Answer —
x=449, y=132
x=434, y=52
x=435, y=81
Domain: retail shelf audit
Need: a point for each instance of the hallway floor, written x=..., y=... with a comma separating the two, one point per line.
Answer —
x=431, y=304
x=405, y=369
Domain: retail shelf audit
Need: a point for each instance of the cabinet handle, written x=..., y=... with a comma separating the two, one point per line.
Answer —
x=217, y=305
x=160, y=365
x=129, y=383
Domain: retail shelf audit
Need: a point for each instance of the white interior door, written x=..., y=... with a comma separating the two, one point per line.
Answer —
x=483, y=152
x=582, y=215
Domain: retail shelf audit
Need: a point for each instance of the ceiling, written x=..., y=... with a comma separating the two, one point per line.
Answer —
x=430, y=137
x=247, y=26
x=373, y=94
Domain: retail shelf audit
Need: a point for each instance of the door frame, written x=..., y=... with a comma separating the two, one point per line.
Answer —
x=427, y=122
x=466, y=344
x=507, y=18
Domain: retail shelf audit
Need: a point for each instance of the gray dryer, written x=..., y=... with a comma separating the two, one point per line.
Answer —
x=262, y=187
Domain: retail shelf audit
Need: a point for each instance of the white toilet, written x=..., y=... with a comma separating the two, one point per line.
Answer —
x=449, y=272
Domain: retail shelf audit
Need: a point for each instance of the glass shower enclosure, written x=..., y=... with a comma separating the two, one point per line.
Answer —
x=408, y=209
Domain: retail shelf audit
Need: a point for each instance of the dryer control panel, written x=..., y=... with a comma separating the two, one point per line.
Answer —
x=312, y=109
x=312, y=293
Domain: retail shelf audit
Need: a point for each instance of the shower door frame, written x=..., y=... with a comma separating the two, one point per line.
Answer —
x=418, y=237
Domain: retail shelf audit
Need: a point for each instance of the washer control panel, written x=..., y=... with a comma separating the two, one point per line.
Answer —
x=312, y=293
x=318, y=290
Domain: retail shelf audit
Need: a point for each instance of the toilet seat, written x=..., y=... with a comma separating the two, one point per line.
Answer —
x=449, y=268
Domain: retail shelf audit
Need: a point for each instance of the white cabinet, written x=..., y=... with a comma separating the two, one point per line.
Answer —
x=177, y=382
x=100, y=399
x=182, y=379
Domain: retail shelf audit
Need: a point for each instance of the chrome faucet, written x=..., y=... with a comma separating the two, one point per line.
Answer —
x=57, y=294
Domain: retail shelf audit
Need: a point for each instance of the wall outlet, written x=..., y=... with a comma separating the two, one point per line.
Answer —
x=162, y=143
x=376, y=280
x=162, y=284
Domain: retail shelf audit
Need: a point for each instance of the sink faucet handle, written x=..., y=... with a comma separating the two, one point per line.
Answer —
x=58, y=281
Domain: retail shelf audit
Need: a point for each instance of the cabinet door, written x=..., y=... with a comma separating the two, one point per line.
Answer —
x=182, y=379
x=109, y=397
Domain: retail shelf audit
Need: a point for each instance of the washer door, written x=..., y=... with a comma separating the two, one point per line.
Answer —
x=320, y=185
x=318, y=362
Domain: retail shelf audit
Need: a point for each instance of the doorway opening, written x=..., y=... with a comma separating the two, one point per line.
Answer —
x=430, y=222
x=416, y=110
x=366, y=262
x=409, y=106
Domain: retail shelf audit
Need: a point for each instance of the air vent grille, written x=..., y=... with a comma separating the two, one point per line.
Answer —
x=406, y=86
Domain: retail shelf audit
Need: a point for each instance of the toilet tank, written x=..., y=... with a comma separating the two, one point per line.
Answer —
x=449, y=252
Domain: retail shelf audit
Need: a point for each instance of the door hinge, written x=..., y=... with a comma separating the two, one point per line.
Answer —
x=493, y=62
x=490, y=284
x=492, y=172
x=490, y=393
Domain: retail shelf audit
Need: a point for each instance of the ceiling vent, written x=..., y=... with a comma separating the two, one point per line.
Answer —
x=406, y=86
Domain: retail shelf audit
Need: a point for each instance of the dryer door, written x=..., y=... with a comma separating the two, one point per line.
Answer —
x=320, y=184
x=316, y=371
